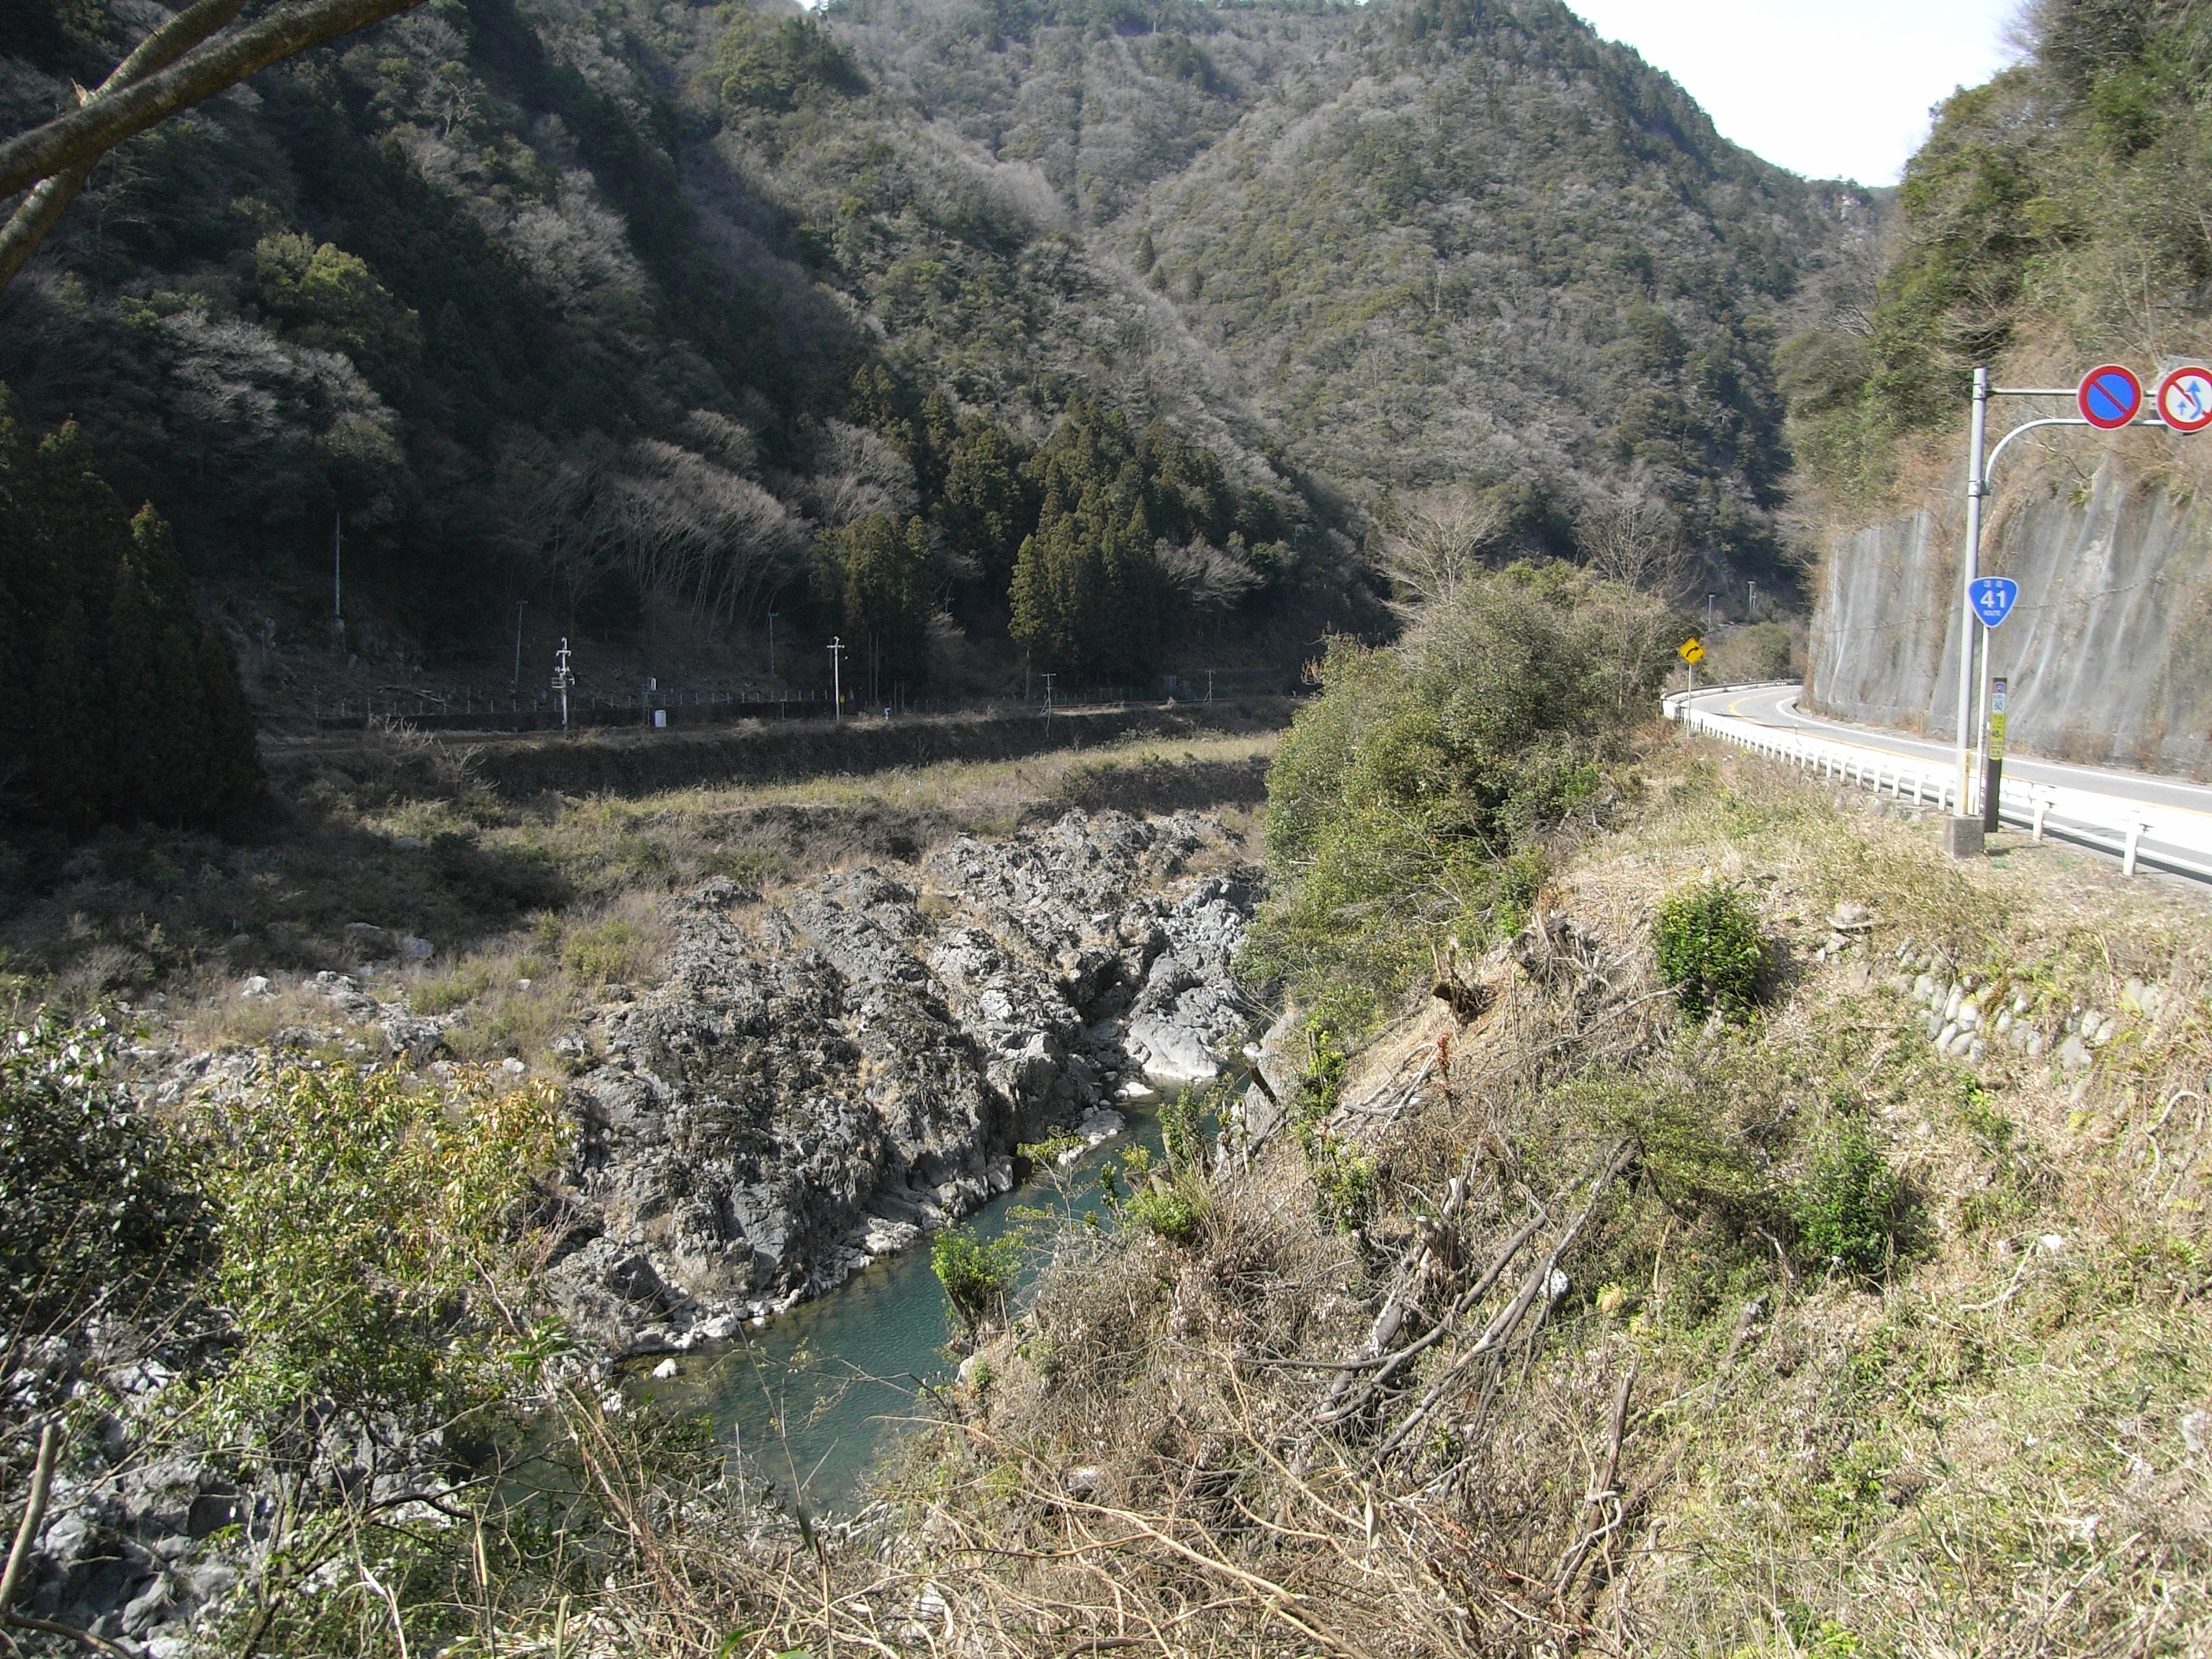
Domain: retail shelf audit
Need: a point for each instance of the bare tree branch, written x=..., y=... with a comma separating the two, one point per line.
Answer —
x=95, y=127
x=44, y=209
x=1634, y=541
x=34, y=1510
x=1436, y=543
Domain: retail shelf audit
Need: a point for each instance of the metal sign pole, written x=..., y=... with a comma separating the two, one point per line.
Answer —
x=2120, y=405
x=1970, y=559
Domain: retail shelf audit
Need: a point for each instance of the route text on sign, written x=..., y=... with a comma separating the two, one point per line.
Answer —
x=1994, y=598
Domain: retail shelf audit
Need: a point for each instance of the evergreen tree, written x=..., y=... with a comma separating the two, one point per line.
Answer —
x=125, y=705
x=988, y=506
x=1087, y=591
x=880, y=571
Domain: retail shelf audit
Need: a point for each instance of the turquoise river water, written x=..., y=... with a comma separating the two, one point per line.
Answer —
x=811, y=1399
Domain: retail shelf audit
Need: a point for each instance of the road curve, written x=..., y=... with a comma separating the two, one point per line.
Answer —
x=1777, y=706
x=2176, y=815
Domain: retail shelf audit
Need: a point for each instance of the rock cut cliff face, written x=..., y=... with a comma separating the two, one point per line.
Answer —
x=820, y=1079
x=2108, y=654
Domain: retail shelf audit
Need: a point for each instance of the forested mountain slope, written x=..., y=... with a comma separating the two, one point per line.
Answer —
x=1473, y=242
x=739, y=307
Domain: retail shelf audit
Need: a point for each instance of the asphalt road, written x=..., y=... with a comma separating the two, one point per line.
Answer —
x=2180, y=812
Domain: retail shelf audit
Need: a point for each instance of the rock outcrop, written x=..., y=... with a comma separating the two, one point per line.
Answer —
x=821, y=1079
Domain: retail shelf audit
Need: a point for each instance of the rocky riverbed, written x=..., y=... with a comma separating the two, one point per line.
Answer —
x=817, y=1078
x=823, y=1078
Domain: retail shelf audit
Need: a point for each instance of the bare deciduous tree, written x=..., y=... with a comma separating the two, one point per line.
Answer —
x=682, y=525
x=856, y=475
x=1433, y=544
x=1208, y=577
x=1635, y=541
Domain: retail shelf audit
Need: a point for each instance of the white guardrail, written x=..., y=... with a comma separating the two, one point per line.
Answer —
x=2134, y=832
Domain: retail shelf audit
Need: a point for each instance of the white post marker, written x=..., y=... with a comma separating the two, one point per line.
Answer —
x=562, y=679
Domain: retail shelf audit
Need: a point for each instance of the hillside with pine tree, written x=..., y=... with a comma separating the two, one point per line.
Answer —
x=1093, y=337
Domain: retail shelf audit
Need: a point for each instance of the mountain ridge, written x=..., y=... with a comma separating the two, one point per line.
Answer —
x=446, y=280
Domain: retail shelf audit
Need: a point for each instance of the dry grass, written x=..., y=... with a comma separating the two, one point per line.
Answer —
x=564, y=893
x=1695, y=1441
x=1575, y=1385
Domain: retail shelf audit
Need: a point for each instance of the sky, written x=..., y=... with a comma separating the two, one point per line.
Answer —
x=1830, y=88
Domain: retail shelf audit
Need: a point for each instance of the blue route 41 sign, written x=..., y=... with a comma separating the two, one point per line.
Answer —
x=1994, y=598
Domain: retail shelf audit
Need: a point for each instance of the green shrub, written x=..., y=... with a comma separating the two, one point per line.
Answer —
x=1179, y=1129
x=1173, y=1206
x=1846, y=1205
x=1169, y=1197
x=1709, y=950
x=92, y=1196
x=977, y=1277
x=454, y=990
x=363, y=1218
x=1413, y=799
x=1344, y=1180
x=617, y=950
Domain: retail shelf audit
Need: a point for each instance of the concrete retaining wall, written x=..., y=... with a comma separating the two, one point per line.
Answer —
x=2109, y=652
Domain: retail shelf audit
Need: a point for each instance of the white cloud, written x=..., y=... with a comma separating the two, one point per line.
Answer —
x=1830, y=88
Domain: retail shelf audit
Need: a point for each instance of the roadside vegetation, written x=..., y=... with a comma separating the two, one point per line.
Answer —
x=1414, y=807
x=1782, y=1331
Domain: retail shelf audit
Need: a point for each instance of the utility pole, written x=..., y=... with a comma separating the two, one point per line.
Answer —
x=562, y=679
x=1708, y=613
x=1048, y=680
x=771, y=644
x=519, y=603
x=1751, y=609
x=836, y=680
x=337, y=577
